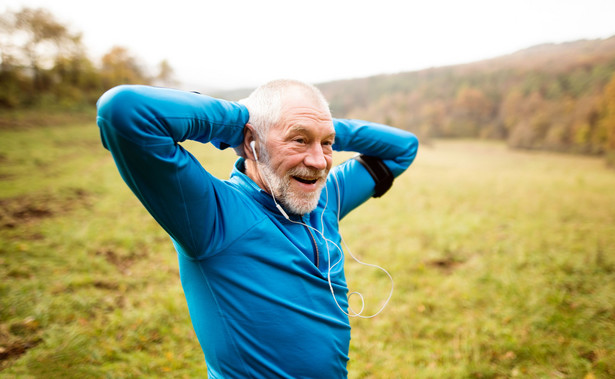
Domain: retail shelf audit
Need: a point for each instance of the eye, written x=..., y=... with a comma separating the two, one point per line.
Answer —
x=327, y=143
x=300, y=140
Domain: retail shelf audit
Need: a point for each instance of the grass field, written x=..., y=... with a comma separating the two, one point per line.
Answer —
x=504, y=266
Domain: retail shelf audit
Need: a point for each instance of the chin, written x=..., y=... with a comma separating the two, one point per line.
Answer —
x=301, y=203
x=300, y=209
x=293, y=197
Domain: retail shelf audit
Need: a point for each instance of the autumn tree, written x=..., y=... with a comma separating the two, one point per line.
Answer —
x=607, y=121
x=44, y=64
x=78, y=79
x=120, y=67
x=38, y=55
x=166, y=75
x=471, y=111
x=33, y=38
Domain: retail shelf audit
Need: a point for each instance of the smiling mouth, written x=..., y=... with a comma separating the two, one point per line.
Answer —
x=304, y=180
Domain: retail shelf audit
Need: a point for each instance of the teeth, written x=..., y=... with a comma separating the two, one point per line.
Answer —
x=304, y=180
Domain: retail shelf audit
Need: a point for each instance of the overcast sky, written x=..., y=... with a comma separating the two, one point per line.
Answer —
x=243, y=43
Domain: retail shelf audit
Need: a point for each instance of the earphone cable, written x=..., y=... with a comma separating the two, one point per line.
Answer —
x=329, y=266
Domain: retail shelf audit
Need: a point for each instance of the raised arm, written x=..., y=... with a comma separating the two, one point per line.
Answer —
x=141, y=127
x=395, y=147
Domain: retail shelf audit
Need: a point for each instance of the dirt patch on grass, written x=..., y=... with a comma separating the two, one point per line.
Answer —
x=446, y=265
x=106, y=285
x=19, y=211
x=24, y=210
x=123, y=262
x=17, y=339
x=14, y=349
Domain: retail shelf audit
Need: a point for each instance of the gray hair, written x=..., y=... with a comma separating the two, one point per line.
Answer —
x=265, y=103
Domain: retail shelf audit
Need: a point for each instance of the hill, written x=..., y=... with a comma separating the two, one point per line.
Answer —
x=548, y=97
x=551, y=96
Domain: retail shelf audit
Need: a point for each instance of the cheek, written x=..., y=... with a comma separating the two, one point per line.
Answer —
x=289, y=158
x=329, y=159
x=286, y=163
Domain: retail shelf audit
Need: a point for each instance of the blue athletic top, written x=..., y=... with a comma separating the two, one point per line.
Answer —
x=255, y=283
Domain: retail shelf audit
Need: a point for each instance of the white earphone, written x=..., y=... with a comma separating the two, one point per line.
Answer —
x=252, y=145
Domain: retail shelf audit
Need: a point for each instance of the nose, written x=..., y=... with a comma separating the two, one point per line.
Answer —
x=315, y=157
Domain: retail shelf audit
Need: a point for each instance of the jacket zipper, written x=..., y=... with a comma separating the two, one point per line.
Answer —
x=317, y=258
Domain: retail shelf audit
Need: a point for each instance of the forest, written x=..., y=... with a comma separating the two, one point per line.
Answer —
x=558, y=97
x=44, y=65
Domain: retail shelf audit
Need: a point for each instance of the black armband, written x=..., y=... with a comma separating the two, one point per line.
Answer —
x=379, y=171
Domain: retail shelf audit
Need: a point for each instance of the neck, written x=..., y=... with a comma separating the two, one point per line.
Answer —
x=253, y=173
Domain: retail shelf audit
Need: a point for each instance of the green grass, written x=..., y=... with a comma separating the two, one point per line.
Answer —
x=504, y=266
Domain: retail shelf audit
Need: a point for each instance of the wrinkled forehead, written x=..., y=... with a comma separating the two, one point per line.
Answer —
x=302, y=108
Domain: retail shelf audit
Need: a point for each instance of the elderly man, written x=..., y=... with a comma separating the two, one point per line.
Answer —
x=257, y=252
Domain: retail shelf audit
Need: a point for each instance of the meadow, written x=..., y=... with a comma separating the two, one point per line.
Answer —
x=503, y=261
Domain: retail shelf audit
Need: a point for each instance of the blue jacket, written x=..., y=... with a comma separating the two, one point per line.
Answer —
x=255, y=283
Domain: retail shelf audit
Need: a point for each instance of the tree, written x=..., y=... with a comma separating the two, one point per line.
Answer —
x=36, y=39
x=78, y=81
x=32, y=42
x=607, y=121
x=472, y=110
x=120, y=67
x=166, y=74
x=43, y=64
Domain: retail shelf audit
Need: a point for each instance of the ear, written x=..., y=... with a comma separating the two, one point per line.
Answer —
x=248, y=136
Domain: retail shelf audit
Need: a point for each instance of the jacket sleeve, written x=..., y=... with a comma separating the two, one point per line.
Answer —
x=141, y=127
x=397, y=148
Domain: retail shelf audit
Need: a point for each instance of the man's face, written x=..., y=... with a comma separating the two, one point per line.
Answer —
x=299, y=154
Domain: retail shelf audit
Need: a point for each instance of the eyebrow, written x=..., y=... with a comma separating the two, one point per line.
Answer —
x=304, y=130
